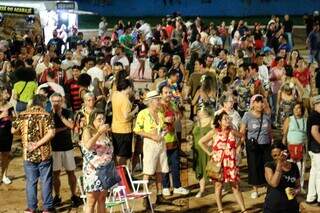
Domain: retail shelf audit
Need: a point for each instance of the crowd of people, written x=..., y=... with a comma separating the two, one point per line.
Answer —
x=241, y=84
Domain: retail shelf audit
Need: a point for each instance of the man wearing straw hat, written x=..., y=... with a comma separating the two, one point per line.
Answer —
x=150, y=125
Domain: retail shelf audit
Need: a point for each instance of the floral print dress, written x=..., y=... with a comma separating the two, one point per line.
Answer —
x=100, y=154
x=225, y=151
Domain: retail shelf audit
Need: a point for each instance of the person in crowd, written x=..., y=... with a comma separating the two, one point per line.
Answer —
x=43, y=64
x=283, y=180
x=60, y=75
x=25, y=88
x=295, y=137
x=227, y=105
x=255, y=128
x=57, y=43
x=84, y=82
x=312, y=44
x=162, y=72
x=73, y=89
x=287, y=98
x=150, y=125
x=171, y=114
x=97, y=151
x=313, y=134
x=223, y=150
x=276, y=76
x=62, y=150
x=36, y=127
x=52, y=85
x=6, y=117
x=200, y=158
x=122, y=114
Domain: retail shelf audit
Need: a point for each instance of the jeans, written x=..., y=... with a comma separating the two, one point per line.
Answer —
x=274, y=98
x=290, y=41
x=174, y=164
x=314, y=55
x=314, y=178
x=33, y=172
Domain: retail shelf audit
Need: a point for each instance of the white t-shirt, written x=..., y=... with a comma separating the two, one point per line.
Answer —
x=96, y=72
x=264, y=74
x=54, y=86
x=42, y=67
x=123, y=60
x=146, y=30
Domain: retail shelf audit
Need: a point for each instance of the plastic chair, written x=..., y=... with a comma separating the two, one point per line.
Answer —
x=135, y=189
x=117, y=197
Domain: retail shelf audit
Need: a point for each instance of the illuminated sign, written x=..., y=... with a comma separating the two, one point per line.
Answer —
x=65, y=6
x=16, y=10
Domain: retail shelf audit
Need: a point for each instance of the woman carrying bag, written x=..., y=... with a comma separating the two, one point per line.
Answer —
x=222, y=167
x=256, y=132
x=97, y=159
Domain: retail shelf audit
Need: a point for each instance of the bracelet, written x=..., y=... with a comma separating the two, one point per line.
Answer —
x=278, y=170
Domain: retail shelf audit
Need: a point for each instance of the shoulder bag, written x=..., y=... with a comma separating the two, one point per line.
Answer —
x=252, y=143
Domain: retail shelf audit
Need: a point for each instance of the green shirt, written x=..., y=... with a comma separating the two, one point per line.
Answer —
x=127, y=41
x=27, y=93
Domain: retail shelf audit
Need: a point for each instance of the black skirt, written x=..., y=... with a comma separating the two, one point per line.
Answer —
x=256, y=159
x=5, y=139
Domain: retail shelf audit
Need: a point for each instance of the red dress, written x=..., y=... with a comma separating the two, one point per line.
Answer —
x=225, y=151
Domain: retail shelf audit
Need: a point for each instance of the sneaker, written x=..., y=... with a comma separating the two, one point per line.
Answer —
x=311, y=202
x=166, y=192
x=181, y=191
x=76, y=201
x=6, y=180
x=161, y=200
x=254, y=195
x=198, y=195
x=57, y=201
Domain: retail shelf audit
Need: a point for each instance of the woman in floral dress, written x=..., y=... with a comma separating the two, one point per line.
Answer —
x=224, y=149
x=97, y=151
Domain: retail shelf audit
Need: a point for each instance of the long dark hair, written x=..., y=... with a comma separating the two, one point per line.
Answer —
x=218, y=118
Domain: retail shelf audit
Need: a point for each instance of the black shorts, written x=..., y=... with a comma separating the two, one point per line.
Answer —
x=122, y=144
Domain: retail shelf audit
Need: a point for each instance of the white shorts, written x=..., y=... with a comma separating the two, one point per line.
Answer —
x=154, y=157
x=64, y=159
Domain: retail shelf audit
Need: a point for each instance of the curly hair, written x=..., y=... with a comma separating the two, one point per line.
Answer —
x=84, y=80
x=25, y=74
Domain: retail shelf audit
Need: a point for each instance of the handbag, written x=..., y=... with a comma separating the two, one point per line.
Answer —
x=252, y=143
x=296, y=151
x=108, y=175
x=214, y=168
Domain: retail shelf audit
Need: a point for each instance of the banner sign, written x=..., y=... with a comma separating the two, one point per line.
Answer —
x=16, y=10
x=65, y=6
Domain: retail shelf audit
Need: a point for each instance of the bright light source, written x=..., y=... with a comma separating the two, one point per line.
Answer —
x=64, y=16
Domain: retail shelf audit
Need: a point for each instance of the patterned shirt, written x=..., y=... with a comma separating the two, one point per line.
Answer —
x=33, y=124
x=146, y=123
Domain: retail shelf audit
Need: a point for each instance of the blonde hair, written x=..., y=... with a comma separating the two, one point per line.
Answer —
x=176, y=57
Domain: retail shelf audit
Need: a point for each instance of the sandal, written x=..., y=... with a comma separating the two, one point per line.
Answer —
x=244, y=211
x=220, y=210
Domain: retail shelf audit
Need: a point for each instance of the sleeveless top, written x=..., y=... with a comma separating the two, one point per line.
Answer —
x=297, y=132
